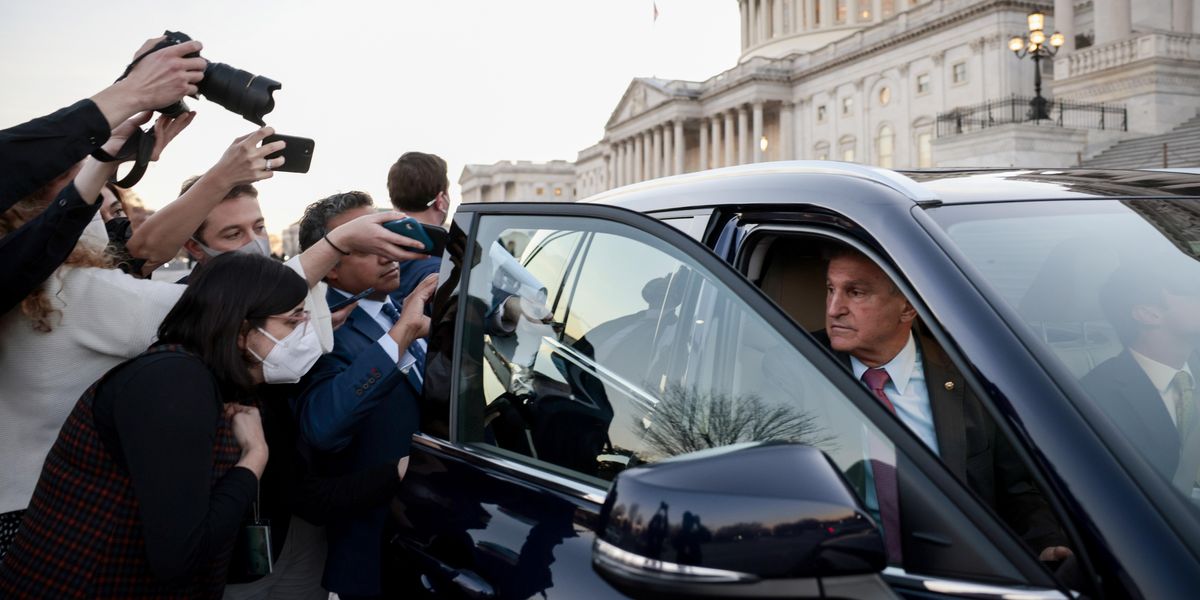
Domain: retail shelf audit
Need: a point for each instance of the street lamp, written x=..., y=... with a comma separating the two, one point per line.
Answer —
x=1036, y=46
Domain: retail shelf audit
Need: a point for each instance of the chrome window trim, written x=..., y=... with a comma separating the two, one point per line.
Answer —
x=896, y=576
x=577, y=489
x=618, y=559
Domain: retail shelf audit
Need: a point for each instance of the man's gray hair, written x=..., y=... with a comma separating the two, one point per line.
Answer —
x=315, y=222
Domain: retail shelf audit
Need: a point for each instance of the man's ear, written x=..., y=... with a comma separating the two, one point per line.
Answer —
x=332, y=275
x=908, y=313
x=1147, y=314
x=194, y=249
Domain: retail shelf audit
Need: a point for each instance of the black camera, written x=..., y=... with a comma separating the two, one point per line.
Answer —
x=238, y=91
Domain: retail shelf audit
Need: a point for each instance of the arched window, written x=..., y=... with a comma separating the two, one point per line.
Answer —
x=821, y=151
x=885, y=146
x=922, y=132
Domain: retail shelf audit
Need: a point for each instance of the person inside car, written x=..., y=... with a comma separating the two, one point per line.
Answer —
x=1149, y=388
x=870, y=327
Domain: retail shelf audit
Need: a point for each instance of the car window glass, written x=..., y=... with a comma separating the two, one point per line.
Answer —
x=647, y=356
x=1112, y=288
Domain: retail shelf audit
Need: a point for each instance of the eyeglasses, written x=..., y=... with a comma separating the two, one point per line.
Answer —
x=293, y=319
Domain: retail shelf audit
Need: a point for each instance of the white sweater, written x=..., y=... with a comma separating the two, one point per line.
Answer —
x=106, y=318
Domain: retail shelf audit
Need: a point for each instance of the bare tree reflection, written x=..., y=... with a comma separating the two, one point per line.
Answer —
x=686, y=420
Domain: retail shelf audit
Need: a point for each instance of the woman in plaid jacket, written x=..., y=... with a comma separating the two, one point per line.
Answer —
x=144, y=491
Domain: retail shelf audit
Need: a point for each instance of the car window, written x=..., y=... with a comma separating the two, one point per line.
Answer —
x=646, y=356
x=1112, y=288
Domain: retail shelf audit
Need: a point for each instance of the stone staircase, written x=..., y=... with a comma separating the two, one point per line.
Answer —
x=1183, y=150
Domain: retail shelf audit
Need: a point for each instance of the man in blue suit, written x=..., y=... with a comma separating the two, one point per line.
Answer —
x=358, y=408
x=419, y=187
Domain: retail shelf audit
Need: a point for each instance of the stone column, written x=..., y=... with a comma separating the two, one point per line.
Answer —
x=743, y=135
x=656, y=142
x=730, y=141
x=742, y=7
x=648, y=156
x=637, y=149
x=785, y=132
x=828, y=13
x=680, y=147
x=703, y=145
x=1064, y=23
x=755, y=139
x=1181, y=15
x=753, y=24
x=877, y=10
x=1113, y=20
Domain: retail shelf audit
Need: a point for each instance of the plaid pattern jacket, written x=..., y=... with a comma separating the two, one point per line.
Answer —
x=82, y=536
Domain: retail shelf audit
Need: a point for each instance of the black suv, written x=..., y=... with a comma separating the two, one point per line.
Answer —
x=625, y=397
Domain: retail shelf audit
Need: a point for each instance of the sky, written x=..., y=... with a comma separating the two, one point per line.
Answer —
x=474, y=81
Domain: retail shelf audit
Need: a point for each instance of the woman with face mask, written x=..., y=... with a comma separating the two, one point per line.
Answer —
x=158, y=462
x=89, y=316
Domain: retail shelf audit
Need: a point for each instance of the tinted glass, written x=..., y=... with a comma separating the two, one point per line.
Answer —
x=646, y=355
x=1113, y=289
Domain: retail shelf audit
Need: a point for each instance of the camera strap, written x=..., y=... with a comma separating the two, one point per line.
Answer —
x=140, y=147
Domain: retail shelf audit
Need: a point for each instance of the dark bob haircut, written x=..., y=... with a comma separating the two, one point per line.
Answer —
x=232, y=293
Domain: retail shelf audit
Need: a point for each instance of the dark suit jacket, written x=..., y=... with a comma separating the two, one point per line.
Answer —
x=357, y=410
x=1125, y=393
x=975, y=452
x=412, y=272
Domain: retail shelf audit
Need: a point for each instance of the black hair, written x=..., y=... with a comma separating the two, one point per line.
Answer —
x=235, y=291
x=315, y=222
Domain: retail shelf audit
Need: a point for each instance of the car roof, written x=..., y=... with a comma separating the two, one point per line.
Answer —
x=926, y=187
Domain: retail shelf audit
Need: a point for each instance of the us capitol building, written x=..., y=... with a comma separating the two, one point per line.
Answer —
x=903, y=83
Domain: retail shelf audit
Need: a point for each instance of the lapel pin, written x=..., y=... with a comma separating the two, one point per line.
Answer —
x=949, y=386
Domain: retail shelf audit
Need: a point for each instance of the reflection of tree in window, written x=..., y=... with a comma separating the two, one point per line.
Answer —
x=688, y=419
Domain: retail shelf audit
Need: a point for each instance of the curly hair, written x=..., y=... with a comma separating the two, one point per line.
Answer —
x=37, y=306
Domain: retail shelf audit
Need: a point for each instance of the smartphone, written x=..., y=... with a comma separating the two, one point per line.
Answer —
x=298, y=153
x=355, y=298
x=432, y=237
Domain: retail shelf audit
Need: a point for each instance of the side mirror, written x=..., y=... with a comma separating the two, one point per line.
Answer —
x=767, y=520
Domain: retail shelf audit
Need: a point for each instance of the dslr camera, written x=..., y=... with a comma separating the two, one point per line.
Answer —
x=238, y=91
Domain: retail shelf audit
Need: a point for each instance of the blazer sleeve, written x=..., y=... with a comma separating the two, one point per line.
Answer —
x=34, y=153
x=342, y=390
x=31, y=253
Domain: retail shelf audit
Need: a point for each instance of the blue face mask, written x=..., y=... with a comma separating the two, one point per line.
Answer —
x=256, y=245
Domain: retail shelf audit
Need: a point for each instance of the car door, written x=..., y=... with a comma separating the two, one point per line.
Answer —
x=613, y=340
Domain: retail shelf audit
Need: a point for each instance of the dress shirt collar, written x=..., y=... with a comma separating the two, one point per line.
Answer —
x=899, y=369
x=1160, y=375
x=371, y=307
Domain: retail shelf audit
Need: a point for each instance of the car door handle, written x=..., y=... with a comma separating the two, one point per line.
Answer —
x=472, y=585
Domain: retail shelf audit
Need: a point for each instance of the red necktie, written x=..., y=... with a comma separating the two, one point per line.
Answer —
x=886, y=490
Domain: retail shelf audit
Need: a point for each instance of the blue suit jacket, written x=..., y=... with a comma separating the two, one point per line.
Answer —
x=357, y=411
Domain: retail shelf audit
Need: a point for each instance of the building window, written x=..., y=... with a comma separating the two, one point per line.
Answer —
x=958, y=73
x=847, y=105
x=864, y=10
x=821, y=151
x=925, y=149
x=885, y=146
x=539, y=191
x=842, y=8
x=846, y=149
x=821, y=113
x=923, y=83
x=557, y=191
x=887, y=8
x=885, y=95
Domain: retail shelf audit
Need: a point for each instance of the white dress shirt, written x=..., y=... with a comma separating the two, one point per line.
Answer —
x=1161, y=376
x=374, y=309
x=907, y=390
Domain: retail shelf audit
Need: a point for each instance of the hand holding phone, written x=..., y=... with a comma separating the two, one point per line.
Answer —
x=432, y=237
x=297, y=154
x=355, y=298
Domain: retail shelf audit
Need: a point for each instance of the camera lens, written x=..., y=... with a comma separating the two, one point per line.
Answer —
x=239, y=91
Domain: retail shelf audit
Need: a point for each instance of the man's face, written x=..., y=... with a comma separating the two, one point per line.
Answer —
x=865, y=316
x=1179, y=315
x=360, y=271
x=231, y=225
